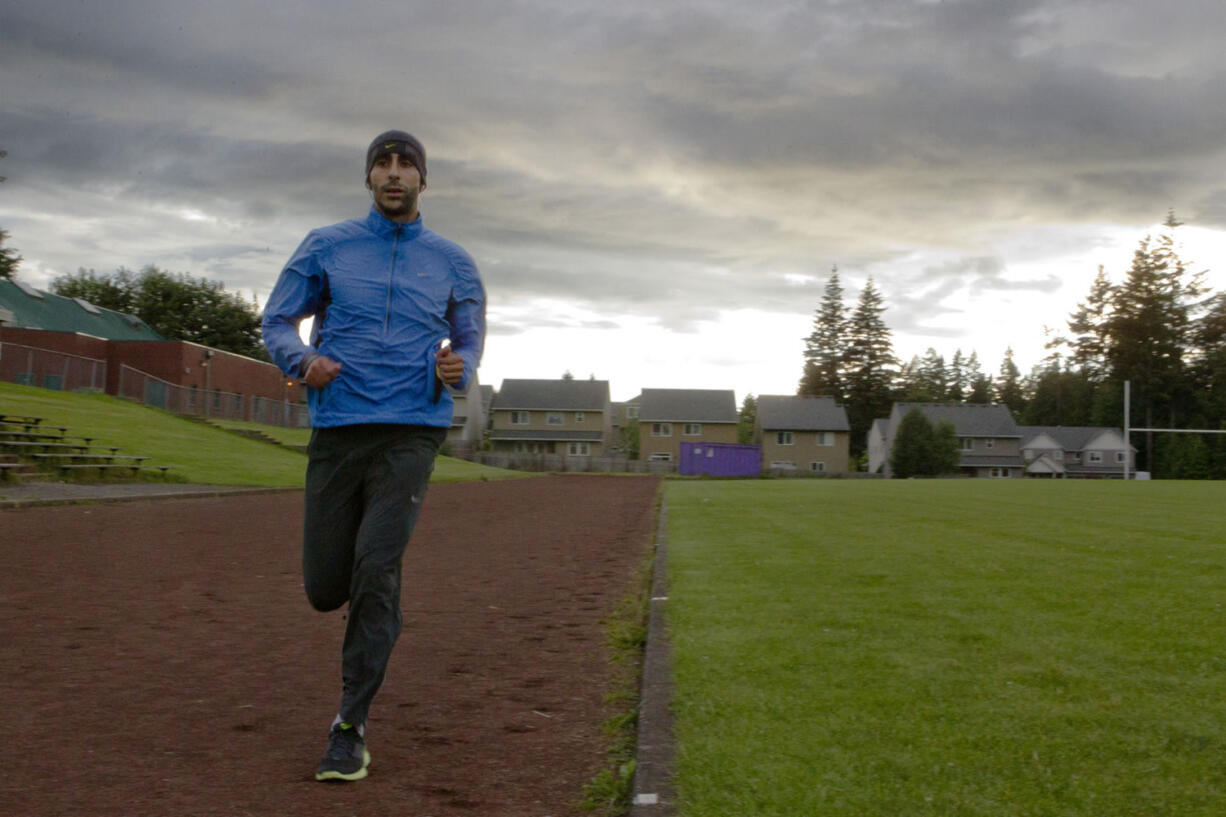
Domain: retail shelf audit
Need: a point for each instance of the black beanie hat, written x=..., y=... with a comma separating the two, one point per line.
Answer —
x=397, y=141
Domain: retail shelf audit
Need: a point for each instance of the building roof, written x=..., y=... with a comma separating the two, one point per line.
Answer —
x=553, y=395
x=968, y=419
x=1070, y=438
x=801, y=413
x=688, y=406
x=30, y=308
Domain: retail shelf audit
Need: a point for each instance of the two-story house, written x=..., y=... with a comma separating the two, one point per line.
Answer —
x=1076, y=451
x=802, y=433
x=669, y=417
x=567, y=417
x=988, y=436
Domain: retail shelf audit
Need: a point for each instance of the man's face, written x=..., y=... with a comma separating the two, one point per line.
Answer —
x=395, y=184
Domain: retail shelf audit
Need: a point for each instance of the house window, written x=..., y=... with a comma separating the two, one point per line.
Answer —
x=968, y=444
x=553, y=418
x=1119, y=457
x=989, y=443
x=817, y=467
x=825, y=438
x=999, y=473
x=578, y=416
x=661, y=456
x=521, y=418
x=578, y=449
x=784, y=438
x=783, y=465
x=529, y=448
x=692, y=429
x=632, y=412
x=1094, y=457
x=1058, y=456
x=661, y=429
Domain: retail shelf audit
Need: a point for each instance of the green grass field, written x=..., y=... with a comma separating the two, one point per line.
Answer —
x=949, y=647
x=197, y=452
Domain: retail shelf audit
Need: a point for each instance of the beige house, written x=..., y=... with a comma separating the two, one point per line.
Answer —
x=802, y=434
x=571, y=418
x=669, y=417
x=989, y=438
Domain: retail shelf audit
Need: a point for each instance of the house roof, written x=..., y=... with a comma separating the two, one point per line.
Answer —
x=553, y=395
x=688, y=406
x=1070, y=438
x=30, y=308
x=968, y=419
x=801, y=413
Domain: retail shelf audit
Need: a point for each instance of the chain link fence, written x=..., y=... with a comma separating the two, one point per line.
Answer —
x=153, y=391
x=48, y=369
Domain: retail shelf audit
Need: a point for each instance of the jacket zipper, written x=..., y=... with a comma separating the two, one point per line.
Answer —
x=387, y=314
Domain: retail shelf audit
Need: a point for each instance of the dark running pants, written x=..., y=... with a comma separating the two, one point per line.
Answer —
x=364, y=489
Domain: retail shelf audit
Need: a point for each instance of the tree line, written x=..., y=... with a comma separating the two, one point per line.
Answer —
x=175, y=305
x=1161, y=328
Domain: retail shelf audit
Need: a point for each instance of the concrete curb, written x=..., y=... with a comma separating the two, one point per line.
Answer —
x=36, y=494
x=653, y=794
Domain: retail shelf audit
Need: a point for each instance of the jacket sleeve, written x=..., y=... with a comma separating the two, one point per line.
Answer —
x=466, y=316
x=295, y=297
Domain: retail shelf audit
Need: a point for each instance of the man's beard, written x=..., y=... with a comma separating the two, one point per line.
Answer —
x=406, y=205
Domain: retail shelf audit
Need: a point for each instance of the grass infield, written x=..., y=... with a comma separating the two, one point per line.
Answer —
x=196, y=452
x=949, y=647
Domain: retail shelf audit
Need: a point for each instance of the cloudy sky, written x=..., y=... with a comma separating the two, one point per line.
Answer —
x=654, y=191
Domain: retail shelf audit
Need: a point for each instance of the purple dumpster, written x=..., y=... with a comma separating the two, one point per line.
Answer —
x=720, y=459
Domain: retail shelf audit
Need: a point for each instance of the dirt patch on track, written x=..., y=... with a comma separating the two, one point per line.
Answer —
x=159, y=657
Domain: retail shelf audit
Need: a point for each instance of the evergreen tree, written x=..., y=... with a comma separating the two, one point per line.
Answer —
x=1149, y=330
x=825, y=346
x=920, y=450
x=1060, y=398
x=923, y=380
x=958, y=386
x=1089, y=328
x=907, y=386
x=978, y=385
x=9, y=258
x=934, y=376
x=913, y=445
x=946, y=449
x=746, y=420
x=870, y=360
x=1008, y=387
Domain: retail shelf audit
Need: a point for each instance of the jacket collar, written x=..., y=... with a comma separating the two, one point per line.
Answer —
x=386, y=228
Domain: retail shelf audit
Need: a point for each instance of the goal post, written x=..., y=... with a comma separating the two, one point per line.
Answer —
x=1128, y=429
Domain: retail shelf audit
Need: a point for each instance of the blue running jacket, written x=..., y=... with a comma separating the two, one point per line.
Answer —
x=384, y=295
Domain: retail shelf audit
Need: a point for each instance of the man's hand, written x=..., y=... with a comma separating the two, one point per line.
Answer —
x=321, y=372
x=450, y=366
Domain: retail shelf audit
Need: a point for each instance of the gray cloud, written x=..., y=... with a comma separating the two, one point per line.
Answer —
x=668, y=161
